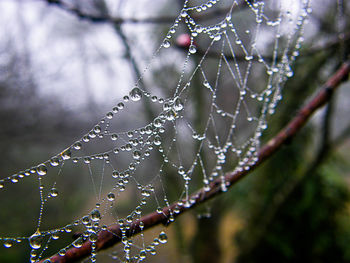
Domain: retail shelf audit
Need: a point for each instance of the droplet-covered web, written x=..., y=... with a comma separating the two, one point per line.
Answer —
x=160, y=143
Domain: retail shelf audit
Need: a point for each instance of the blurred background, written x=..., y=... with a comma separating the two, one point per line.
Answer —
x=64, y=64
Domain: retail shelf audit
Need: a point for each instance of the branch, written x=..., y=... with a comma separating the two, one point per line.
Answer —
x=155, y=20
x=112, y=235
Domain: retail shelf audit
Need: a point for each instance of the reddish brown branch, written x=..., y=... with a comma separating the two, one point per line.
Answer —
x=112, y=236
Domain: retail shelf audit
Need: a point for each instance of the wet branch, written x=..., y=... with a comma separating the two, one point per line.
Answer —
x=111, y=236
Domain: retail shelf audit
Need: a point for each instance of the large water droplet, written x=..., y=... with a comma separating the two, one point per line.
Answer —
x=136, y=155
x=95, y=215
x=93, y=237
x=178, y=105
x=192, y=49
x=166, y=43
x=77, y=146
x=54, y=161
x=110, y=197
x=53, y=192
x=8, y=243
x=35, y=240
x=66, y=154
x=163, y=237
x=41, y=169
x=135, y=94
x=157, y=140
x=78, y=242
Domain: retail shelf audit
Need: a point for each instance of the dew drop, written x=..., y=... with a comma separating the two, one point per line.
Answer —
x=93, y=237
x=120, y=105
x=157, y=140
x=54, y=161
x=170, y=115
x=41, y=169
x=55, y=235
x=35, y=240
x=8, y=243
x=162, y=237
x=157, y=122
x=136, y=155
x=114, y=137
x=77, y=146
x=192, y=49
x=53, y=192
x=95, y=215
x=142, y=254
x=178, y=105
x=109, y=115
x=166, y=43
x=110, y=197
x=217, y=37
x=66, y=154
x=135, y=94
x=78, y=242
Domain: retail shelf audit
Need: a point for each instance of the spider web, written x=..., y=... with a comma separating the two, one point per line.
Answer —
x=164, y=140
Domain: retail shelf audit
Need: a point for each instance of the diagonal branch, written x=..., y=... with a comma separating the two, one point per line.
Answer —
x=112, y=235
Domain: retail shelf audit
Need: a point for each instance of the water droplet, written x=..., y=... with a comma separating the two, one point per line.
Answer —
x=142, y=254
x=77, y=146
x=135, y=94
x=68, y=228
x=114, y=137
x=109, y=115
x=136, y=155
x=166, y=43
x=110, y=197
x=55, y=235
x=157, y=122
x=145, y=193
x=170, y=115
x=8, y=243
x=95, y=215
x=54, y=161
x=217, y=37
x=192, y=49
x=120, y=105
x=35, y=240
x=178, y=105
x=93, y=237
x=41, y=169
x=162, y=237
x=53, y=192
x=66, y=154
x=157, y=140
x=78, y=242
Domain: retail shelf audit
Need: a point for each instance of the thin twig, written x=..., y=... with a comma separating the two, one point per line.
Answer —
x=112, y=235
x=151, y=20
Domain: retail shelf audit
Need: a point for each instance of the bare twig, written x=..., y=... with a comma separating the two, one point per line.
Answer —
x=112, y=235
x=152, y=20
